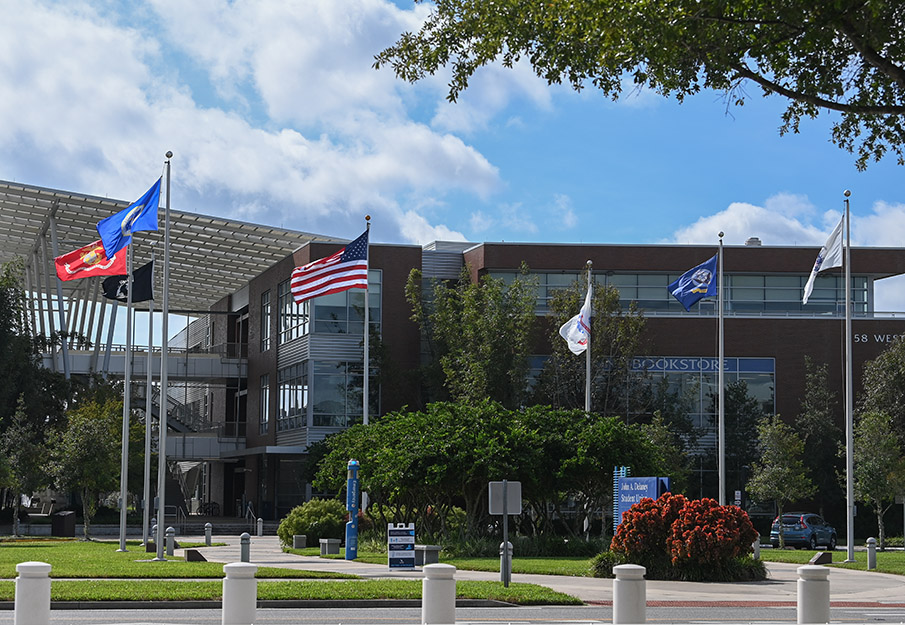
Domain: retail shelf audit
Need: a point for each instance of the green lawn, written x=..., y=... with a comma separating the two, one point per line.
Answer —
x=887, y=561
x=118, y=590
x=571, y=566
x=72, y=558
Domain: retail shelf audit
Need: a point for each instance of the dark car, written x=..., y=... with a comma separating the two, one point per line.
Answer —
x=803, y=529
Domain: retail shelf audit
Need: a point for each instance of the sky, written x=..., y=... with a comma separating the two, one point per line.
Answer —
x=275, y=115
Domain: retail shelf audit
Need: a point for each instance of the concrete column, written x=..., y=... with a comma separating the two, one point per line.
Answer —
x=245, y=547
x=32, y=605
x=871, y=553
x=438, y=594
x=629, y=594
x=208, y=530
x=240, y=593
x=813, y=594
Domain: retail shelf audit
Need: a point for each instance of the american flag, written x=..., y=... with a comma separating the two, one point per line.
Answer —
x=346, y=269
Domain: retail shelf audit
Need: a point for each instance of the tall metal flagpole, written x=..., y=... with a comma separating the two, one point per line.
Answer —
x=587, y=362
x=367, y=329
x=127, y=408
x=164, y=353
x=146, y=512
x=721, y=419
x=849, y=417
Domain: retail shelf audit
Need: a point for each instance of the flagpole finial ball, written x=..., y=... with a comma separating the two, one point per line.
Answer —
x=367, y=218
x=846, y=193
x=721, y=234
x=169, y=154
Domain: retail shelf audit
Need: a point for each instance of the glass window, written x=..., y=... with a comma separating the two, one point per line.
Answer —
x=343, y=312
x=293, y=317
x=264, y=420
x=337, y=393
x=265, y=321
x=293, y=397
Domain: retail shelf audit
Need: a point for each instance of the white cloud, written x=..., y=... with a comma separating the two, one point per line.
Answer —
x=561, y=213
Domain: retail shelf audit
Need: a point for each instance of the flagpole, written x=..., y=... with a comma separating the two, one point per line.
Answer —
x=146, y=512
x=587, y=364
x=164, y=394
x=367, y=329
x=127, y=393
x=849, y=400
x=721, y=419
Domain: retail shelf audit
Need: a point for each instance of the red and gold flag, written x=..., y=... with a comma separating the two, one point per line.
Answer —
x=90, y=261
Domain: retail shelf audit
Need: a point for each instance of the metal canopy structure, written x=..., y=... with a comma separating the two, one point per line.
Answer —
x=210, y=257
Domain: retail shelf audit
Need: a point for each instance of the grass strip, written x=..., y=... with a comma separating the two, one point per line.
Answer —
x=887, y=561
x=81, y=559
x=571, y=566
x=149, y=590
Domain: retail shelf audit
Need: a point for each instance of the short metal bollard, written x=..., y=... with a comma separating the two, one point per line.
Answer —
x=871, y=553
x=755, y=547
x=260, y=526
x=32, y=605
x=813, y=594
x=506, y=564
x=240, y=593
x=153, y=532
x=208, y=530
x=171, y=539
x=438, y=594
x=629, y=594
x=245, y=547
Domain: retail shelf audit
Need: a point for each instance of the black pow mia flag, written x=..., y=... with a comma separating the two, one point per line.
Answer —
x=117, y=287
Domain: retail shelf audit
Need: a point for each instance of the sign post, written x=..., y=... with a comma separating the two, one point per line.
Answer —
x=352, y=489
x=505, y=499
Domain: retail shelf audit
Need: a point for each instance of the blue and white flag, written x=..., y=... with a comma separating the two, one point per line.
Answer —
x=577, y=330
x=830, y=256
x=116, y=230
x=695, y=283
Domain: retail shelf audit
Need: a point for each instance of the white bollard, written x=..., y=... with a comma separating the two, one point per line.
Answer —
x=32, y=605
x=208, y=530
x=240, y=593
x=813, y=594
x=871, y=553
x=756, y=548
x=170, y=539
x=260, y=526
x=629, y=594
x=438, y=594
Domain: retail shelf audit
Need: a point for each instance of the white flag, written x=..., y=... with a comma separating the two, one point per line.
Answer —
x=830, y=256
x=577, y=330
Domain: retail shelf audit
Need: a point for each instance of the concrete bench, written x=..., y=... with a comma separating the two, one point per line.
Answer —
x=329, y=546
x=427, y=554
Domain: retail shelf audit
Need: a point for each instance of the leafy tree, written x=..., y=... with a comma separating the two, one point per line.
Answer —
x=25, y=455
x=779, y=475
x=843, y=57
x=742, y=414
x=479, y=333
x=616, y=337
x=816, y=425
x=884, y=386
x=879, y=466
x=669, y=448
x=85, y=456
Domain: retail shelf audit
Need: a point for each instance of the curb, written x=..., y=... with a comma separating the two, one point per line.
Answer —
x=262, y=603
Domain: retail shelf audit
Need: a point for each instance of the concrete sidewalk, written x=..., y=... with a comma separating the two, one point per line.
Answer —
x=780, y=588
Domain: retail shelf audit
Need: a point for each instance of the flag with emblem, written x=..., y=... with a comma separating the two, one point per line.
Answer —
x=696, y=283
x=117, y=287
x=87, y=261
x=577, y=330
x=829, y=256
x=116, y=230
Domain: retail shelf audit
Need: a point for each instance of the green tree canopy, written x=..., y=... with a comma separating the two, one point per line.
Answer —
x=779, y=475
x=844, y=56
x=479, y=334
x=879, y=466
x=884, y=386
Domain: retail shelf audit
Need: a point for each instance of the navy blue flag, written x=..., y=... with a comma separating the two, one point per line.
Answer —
x=695, y=283
x=116, y=230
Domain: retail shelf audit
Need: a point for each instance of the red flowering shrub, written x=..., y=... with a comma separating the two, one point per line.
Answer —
x=707, y=533
x=677, y=538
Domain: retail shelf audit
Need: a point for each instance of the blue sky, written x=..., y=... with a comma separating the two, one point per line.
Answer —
x=276, y=116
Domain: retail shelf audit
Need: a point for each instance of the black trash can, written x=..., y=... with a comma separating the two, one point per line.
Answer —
x=63, y=524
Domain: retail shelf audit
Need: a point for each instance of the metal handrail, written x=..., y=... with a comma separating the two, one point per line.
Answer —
x=250, y=516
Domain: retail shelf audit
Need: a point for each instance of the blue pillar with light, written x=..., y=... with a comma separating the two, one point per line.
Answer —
x=352, y=492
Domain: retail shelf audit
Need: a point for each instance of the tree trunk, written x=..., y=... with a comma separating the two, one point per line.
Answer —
x=86, y=514
x=16, y=513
